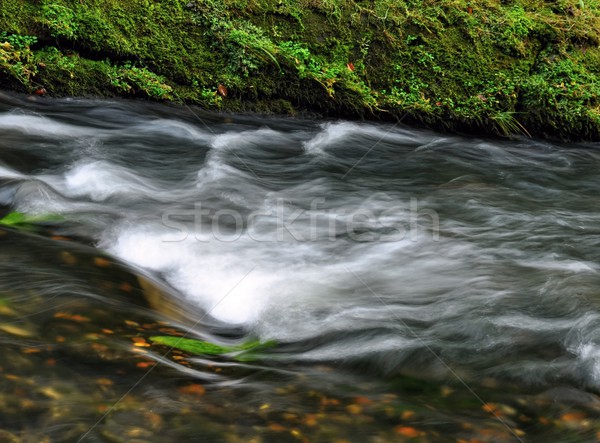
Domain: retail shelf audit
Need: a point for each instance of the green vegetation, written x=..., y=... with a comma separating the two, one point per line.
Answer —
x=517, y=67
x=26, y=222
x=16, y=57
x=59, y=20
x=244, y=352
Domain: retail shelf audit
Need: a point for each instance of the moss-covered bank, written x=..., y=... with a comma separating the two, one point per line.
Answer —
x=522, y=66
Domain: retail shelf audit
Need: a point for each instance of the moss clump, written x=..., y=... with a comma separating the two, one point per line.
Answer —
x=525, y=66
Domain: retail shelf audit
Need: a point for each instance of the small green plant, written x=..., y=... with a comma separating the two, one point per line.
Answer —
x=151, y=84
x=249, y=48
x=16, y=57
x=60, y=21
x=132, y=79
x=507, y=124
x=58, y=60
x=18, y=42
x=211, y=97
x=309, y=66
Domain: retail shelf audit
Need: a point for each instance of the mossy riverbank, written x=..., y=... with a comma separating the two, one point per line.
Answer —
x=522, y=66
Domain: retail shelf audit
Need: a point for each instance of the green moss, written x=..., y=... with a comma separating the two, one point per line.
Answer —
x=131, y=79
x=448, y=64
x=563, y=93
x=60, y=21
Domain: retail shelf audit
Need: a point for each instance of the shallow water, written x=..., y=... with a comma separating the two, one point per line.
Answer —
x=419, y=286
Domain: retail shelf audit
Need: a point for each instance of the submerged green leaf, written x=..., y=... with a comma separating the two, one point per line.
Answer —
x=200, y=347
x=191, y=345
x=24, y=221
x=14, y=218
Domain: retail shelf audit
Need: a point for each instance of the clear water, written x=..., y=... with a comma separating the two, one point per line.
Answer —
x=419, y=286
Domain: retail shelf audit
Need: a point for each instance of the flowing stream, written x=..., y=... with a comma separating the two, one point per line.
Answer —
x=414, y=286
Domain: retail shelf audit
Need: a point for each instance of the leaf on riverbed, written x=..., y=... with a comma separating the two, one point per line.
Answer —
x=19, y=331
x=73, y=317
x=200, y=347
x=13, y=218
x=192, y=346
x=25, y=221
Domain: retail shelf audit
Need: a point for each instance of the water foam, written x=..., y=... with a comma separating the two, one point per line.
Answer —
x=42, y=126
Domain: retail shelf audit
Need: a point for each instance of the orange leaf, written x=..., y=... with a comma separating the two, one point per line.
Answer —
x=354, y=409
x=222, y=90
x=73, y=317
x=125, y=287
x=31, y=350
x=407, y=414
x=193, y=389
x=276, y=427
x=144, y=364
x=490, y=407
x=572, y=416
x=350, y=66
x=363, y=400
x=407, y=431
x=310, y=420
x=101, y=262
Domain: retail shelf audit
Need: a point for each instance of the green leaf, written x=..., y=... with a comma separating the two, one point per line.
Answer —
x=19, y=219
x=14, y=218
x=200, y=347
x=191, y=345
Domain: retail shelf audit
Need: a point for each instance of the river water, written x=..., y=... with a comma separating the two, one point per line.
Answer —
x=416, y=286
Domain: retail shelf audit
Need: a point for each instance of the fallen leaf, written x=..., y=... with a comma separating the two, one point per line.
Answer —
x=19, y=331
x=31, y=350
x=276, y=427
x=572, y=416
x=68, y=258
x=50, y=392
x=310, y=420
x=193, y=389
x=144, y=364
x=354, y=409
x=363, y=400
x=407, y=414
x=101, y=262
x=490, y=407
x=73, y=317
x=407, y=431
x=125, y=287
